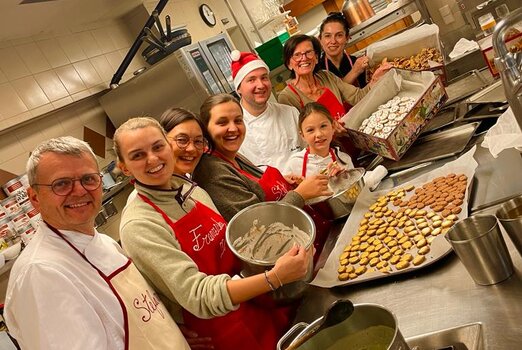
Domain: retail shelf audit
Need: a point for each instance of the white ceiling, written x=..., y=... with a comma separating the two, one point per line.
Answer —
x=24, y=20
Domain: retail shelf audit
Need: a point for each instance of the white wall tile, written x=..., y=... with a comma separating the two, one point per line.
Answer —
x=51, y=127
x=3, y=78
x=10, y=147
x=16, y=165
x=5, y=44
x=120, y=36
x=30, y=136
x=21, y=41
x=98, y=88
x=104, y=40
x=17, y=119
x=70, y=120
x=42, y=36
x=53, y=52
x=10, y=103
x=51, y=85
x=89, y=44
x=70, y=79
x=30, y=92
x=80, y=95
x=95, y=119
x=33, y=58
x=72, y=48
x=87, y=72
x=103, y=67
x=62, y=102
x=76, y=132
x=42, y=110
x=12, y=65
x=114, y=59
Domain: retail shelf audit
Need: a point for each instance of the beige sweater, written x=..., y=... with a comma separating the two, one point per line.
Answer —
x=151, y=244
x=343, y=91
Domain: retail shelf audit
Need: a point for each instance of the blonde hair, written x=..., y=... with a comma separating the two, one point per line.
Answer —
x=134, y=124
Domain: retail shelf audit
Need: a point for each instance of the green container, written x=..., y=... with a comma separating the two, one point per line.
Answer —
x=272, y=51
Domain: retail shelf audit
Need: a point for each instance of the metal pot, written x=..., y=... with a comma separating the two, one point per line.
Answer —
x=347, y=188
x=370, y=326
x=357, y=11
x=267, y=213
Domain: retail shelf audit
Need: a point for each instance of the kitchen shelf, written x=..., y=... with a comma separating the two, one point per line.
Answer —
x=260, y=25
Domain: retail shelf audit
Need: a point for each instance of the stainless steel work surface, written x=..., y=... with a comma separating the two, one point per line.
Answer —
x=435, y=146
x=444, y=295
x=493, y=93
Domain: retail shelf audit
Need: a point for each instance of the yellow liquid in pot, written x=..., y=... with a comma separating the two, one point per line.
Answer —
x=371, y=338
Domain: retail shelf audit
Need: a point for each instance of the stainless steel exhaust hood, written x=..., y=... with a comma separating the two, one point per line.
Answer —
x=165, y=84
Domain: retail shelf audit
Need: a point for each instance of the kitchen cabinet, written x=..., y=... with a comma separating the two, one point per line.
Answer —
x=300, y=7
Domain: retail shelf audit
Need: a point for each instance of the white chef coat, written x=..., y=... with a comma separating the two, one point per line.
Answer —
x=272, y=136
x=315, y=163
x=56, y=300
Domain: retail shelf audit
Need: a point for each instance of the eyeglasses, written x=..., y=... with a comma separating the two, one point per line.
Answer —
x=299, y=55
x=183, y=142
x=65, y=185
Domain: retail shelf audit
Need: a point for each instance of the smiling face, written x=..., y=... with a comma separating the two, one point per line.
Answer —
x=186, y=158
x=333, y=39
x=255, y=89
x=318, y=132
x=147, y=156
x=304, y=59
x=227, y=129
x=77, y=210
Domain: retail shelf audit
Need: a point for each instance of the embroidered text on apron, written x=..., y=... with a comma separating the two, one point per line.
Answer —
x=201, y=235
x=147, y=323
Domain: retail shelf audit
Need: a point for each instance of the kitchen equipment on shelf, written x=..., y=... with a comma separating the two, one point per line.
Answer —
x=371, y=326
x=357, y=11
x=478, y=242
x=509, y=64
x=185, y=79
x=267, y=213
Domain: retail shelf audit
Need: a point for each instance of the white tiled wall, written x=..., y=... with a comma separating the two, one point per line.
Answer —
x=43, y=73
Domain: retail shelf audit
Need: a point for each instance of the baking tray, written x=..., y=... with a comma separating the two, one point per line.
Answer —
x=327, y=276
x=435, y=146
x=493, y=93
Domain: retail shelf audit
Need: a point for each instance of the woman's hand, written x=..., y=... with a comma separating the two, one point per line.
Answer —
x=338, y=127
x=360, y=65
x=379, y=72
x=335, y=169
x=293, y=179
x=314, y=186
x=293, y=265
x=194, y=340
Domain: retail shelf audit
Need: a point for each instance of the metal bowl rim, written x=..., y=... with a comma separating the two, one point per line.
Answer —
x=261, y=204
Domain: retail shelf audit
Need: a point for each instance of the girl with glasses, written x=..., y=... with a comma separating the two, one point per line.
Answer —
x=176, y=237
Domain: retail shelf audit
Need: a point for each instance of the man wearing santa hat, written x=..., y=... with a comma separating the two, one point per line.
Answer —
x=272, y=128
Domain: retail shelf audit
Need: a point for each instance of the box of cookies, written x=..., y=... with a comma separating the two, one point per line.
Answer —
x=396, y=230
x=391, y=116
x=416, y=49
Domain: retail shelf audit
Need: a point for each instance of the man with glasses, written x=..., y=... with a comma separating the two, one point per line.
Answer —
x=272, y=132
x=72, y=287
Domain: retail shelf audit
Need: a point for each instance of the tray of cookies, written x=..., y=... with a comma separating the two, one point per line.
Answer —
x=402, y=229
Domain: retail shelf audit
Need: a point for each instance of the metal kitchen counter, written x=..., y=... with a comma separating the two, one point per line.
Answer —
x=443, y=295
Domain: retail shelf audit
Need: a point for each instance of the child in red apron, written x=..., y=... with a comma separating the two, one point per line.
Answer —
x=171, y=203
x=315, y=124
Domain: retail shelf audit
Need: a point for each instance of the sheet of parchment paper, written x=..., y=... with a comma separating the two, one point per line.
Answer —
x=327, y=275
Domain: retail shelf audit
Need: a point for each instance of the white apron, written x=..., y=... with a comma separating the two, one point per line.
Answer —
x=147, y=323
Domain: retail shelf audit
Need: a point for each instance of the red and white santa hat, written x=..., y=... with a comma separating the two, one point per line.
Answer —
x=243, y=63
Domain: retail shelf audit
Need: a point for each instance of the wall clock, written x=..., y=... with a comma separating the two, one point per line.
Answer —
x=208, y=15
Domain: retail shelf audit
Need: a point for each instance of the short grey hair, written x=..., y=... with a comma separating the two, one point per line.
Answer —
x=66, y=145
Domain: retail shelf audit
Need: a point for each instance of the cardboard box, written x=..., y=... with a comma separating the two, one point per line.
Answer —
x=406, y=44
x=429, y=94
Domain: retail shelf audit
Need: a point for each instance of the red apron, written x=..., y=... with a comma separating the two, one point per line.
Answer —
x=147, y=323
x=272, y=181
x=201, y=235
x=320, y=212
x=346, y=105
x=336, y=109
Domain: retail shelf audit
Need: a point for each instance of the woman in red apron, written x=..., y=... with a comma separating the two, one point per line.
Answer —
x=176, y=237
